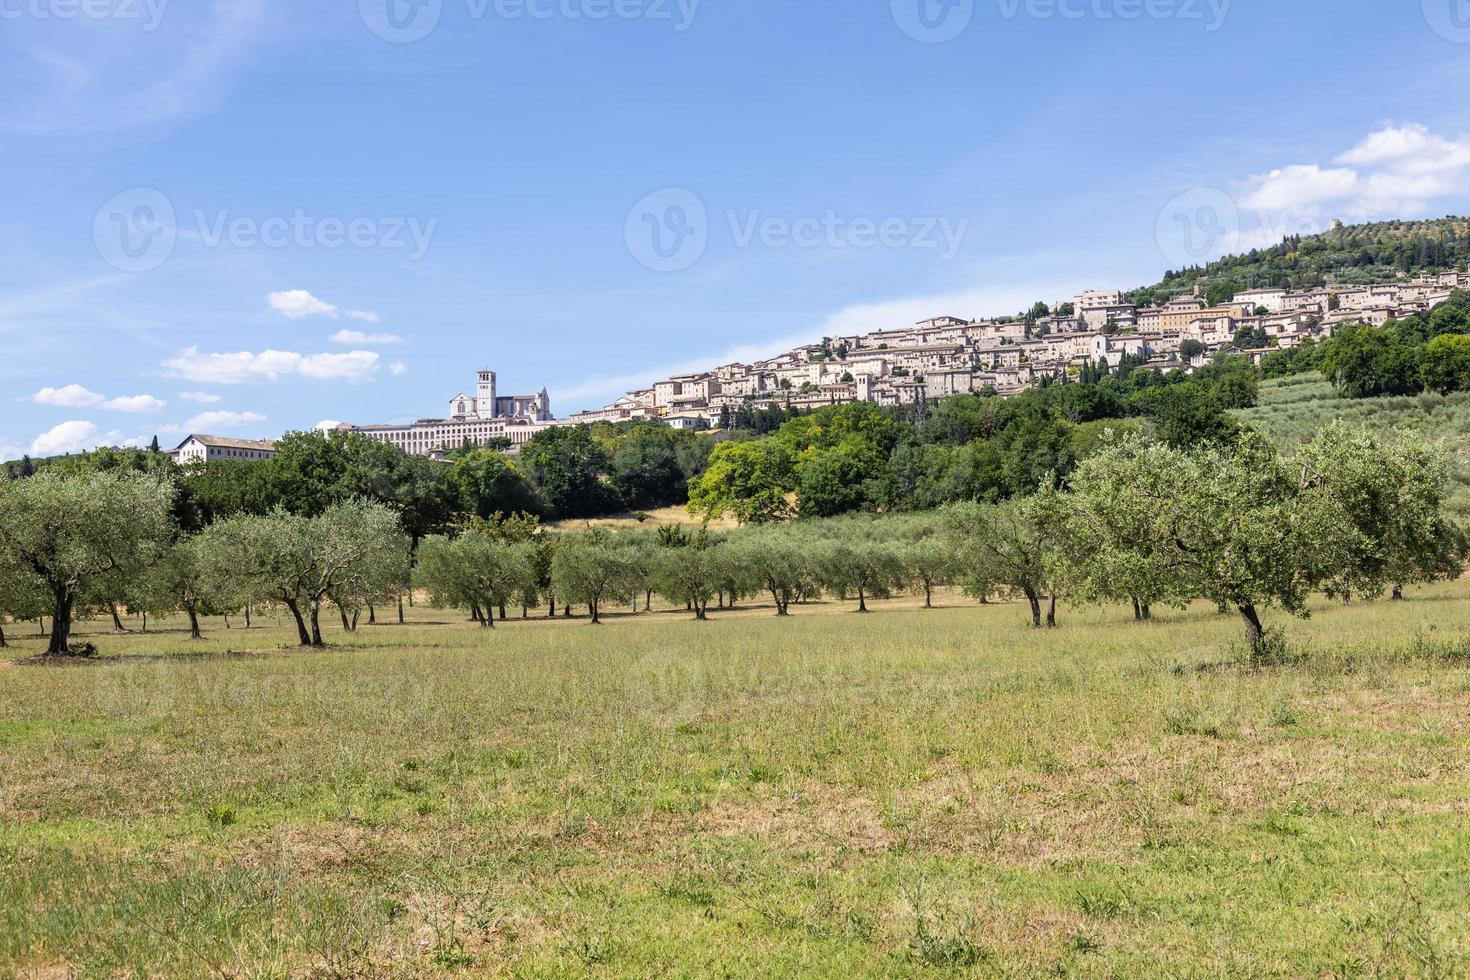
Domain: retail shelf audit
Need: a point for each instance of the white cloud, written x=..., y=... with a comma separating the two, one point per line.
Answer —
x=358, y=337
x=267, y=366
x=71, y=437
x=355, y=366
x=69, y=396
x=1299, y=187
x=135, y=403
x=325, y=425
x=398, y=368
x=202, y=397
x=297, y=304
x=1398, y=171
x=76, y=396
x=237, y=368
x=1411, y=148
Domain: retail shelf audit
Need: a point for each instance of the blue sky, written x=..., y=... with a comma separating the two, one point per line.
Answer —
x=248, y=216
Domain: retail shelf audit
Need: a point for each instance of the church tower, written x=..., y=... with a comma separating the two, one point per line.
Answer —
x=485, y=395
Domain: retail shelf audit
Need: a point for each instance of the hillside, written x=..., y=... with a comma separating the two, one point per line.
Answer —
x=1353, y=254
x=1292, y=410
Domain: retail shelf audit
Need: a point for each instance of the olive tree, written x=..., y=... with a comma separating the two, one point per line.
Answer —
x=1009, y=548
x=592, y=568
x=1112, y=548
x=929, y=560
x=1394, y=494
x=22, y=596
x=691, y=574
x=776, y=561
x=67, y=530
x=299, y=561
x=1233, y=525
x=852, y=562
x=475, y=571
x=178, y=582
x=264, y=559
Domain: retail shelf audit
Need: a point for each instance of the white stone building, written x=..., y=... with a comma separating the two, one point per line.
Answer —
x=201, y=449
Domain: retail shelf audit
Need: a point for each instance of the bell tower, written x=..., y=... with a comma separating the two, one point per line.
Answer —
x=485, y=395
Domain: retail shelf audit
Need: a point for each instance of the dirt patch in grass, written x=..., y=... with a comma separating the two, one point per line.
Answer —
x=816, y=818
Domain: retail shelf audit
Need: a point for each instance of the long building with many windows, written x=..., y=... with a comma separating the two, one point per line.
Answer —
x=485, y=418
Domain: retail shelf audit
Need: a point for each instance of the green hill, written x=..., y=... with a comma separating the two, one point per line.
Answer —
x=1293, y=410
x=1351, y=254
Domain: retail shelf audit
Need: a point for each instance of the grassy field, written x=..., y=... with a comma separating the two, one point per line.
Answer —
x=907, y=793
x=1293, y=410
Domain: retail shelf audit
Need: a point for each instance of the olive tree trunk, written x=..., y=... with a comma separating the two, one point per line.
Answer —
x=301, y=632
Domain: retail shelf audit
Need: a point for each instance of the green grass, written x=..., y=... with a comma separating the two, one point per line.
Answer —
x=906, y=793
x=1294, y=410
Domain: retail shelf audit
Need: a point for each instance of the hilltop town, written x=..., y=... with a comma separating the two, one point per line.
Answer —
x=949, y=355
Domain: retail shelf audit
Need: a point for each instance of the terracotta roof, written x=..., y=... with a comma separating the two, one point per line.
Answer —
x=223, y=442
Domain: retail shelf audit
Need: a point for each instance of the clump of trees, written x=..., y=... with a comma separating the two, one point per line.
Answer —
x=1428, y=352
x=860, y=457
x=61, y=534
x=1249, y=530
x=352, y=554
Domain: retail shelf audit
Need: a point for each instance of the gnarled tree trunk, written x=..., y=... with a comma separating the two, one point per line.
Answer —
x=316, y=623
x=1255, y=633
x=61, y=623
x=301, y=632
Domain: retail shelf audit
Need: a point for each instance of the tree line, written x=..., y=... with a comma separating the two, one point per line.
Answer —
x=1361, y=254
x=860, y=457
x=1139, y=520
